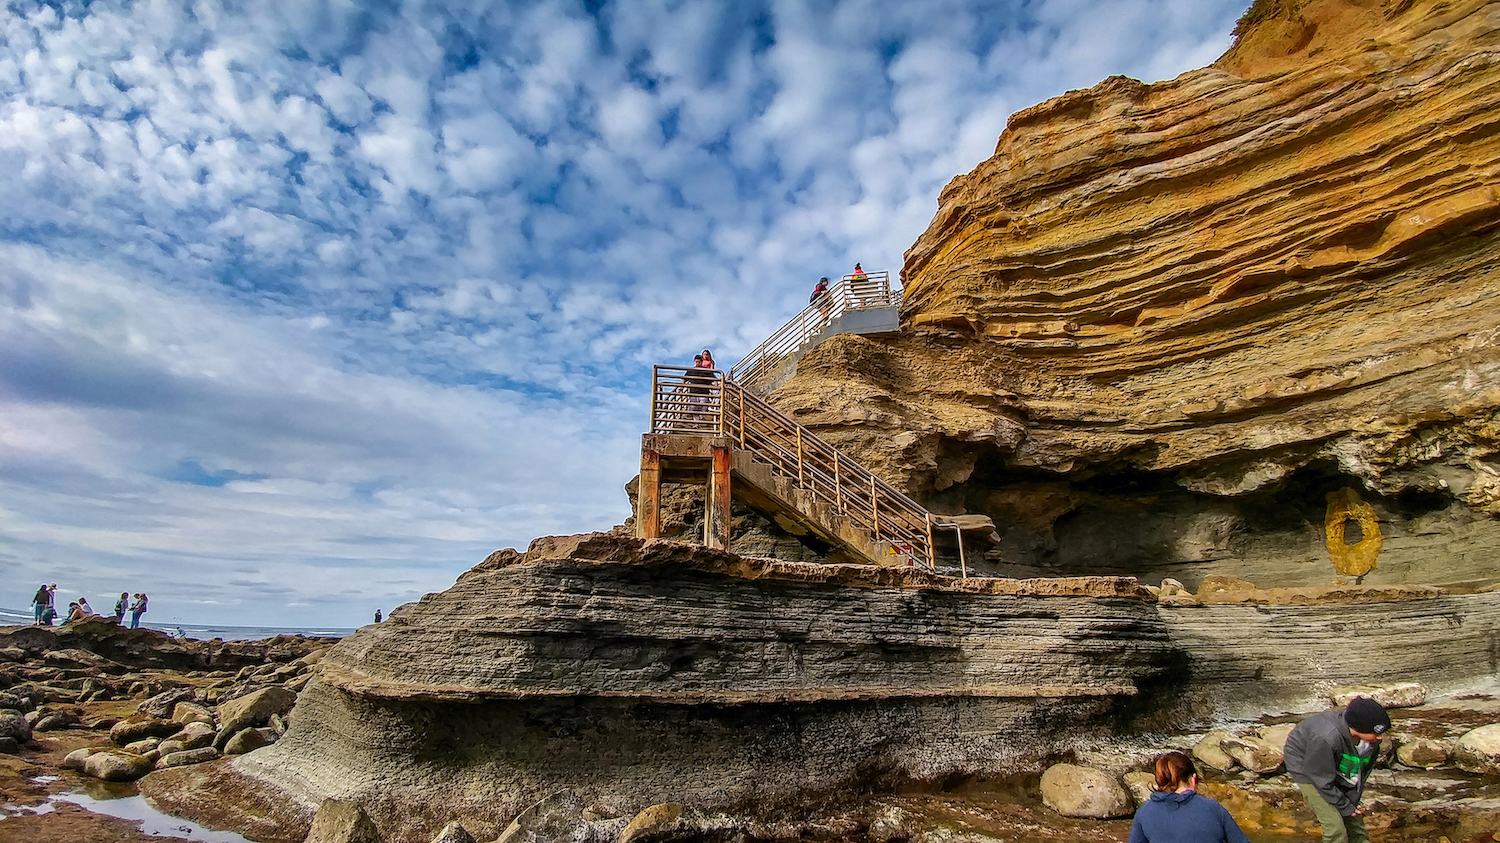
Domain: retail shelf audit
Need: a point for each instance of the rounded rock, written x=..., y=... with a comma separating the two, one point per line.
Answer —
x=1478, y=751
x=1210, y=751
x=1084, y=792
x=74, y=759
x=187, y=756
x=1141, y=785
x=13, y=725
x=116, y=766
x=1254, y=754
x=1424, y=753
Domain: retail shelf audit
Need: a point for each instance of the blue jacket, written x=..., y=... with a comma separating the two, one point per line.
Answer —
x=1184, y=818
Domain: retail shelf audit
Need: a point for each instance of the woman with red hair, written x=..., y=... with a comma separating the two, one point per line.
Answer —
x=1177, y=814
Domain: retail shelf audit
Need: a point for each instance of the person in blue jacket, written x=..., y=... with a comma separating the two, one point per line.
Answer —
x=1175, y=813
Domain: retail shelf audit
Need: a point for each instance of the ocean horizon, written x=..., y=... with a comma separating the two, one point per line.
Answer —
x=201, y=632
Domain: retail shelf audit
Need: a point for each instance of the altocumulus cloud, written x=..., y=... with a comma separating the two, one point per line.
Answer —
x=305, y=307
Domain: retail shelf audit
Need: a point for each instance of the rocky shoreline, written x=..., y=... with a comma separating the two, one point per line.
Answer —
x=79, y=721
x=90, y=707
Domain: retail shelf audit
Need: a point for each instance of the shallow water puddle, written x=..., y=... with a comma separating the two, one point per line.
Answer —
x=13, y=810
x=153, y=822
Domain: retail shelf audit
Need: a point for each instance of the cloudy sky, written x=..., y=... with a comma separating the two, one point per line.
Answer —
x=307, y=306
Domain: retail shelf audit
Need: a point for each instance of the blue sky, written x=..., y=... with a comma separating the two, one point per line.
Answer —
x=306, y=307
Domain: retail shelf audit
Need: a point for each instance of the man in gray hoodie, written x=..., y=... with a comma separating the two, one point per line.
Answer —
x=1330, y=756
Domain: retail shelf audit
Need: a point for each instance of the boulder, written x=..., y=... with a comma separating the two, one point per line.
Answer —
x=73, y=657
x=101, y=723
x=74, y=759
x=647, y=822
x=454, y=832
x=892, y=824
x=95, y=689
x=187, y=756
x=191, y=712
x=143, y=746
x=1425, y=753
x=10, y=746
x=53, y=721
x=1084, y=792
x=1478, y=750
x=113, y=765
x=246, y=740
x=556, y=819
x=160, y=706
x=169, y=746
x=1140, y=785
x=1276, y=735
x=129, y=731
x=1210, y=751
x=1174, y=593
x=253, y=709
x=1254, y=754
x=1390, y=695
x=671, y=822
x=342, y=822
x=194, y=735
x=13, y=725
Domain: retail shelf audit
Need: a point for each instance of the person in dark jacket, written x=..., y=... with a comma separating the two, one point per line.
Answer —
x=1329, y=756
x=1175, y=813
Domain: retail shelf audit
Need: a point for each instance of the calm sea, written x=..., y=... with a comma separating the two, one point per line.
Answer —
x=13, y=617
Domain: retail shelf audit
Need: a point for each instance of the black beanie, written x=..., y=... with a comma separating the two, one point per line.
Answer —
x=1365, y=715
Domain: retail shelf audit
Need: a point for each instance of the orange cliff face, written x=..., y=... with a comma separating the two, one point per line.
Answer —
x=1218, y=301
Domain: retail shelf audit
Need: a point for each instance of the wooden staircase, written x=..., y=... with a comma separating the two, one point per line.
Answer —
x=706, y=428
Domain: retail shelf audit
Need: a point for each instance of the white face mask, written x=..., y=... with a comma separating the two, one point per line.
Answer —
x=1364, y=747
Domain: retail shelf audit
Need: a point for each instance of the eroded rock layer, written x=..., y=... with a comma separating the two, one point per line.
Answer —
x=1165, y=322
x=642, y=672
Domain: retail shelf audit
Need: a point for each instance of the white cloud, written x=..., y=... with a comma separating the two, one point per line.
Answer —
x=298, y=296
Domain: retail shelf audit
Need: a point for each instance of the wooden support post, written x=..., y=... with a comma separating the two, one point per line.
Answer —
x=931, y=548
x=963, y=566
x=799, y=457
x=717, y=520
x=648, y=496
x=838, y=485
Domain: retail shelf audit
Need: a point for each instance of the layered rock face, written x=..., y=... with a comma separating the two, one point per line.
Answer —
x=1165, y=322
x=640, y=672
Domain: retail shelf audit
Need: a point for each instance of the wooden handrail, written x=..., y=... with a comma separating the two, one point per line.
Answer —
x=872, y=289
x=692, y=401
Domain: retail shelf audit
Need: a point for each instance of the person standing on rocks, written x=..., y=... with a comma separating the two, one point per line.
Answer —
x=1329, y=756
x=40, y=602
x=377, y=616
x=1177, y=814
x=121, y=605
x=136, y=610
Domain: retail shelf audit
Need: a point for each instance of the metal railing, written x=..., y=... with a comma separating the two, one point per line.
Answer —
x=852, y=292
x=703, y=402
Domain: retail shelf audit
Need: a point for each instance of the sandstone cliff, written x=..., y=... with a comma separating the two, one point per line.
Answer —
x=1163, y=324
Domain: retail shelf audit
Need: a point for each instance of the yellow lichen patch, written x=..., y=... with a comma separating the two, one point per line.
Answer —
x=1354, y=552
